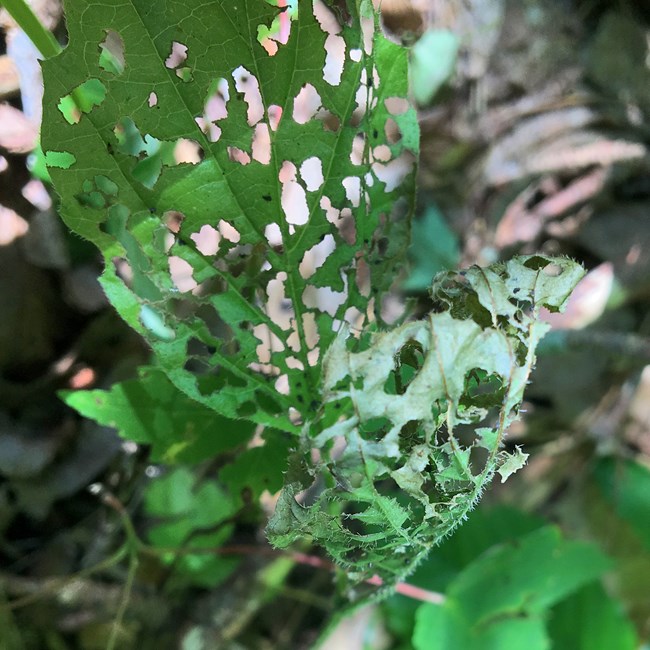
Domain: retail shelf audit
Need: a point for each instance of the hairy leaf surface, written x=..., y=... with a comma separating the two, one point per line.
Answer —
x=249, y=189
x=431, y=401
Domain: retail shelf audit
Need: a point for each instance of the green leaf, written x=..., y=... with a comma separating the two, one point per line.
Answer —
x=197, y=517
x=500, y=599
x=434, y=248
x=433, y=59
x=257, y=468
x=444, y=628
x=484, y=528
x=525, y=577
x=591, y=620
x=152, y=411
x=235, y=184
x=626, y=486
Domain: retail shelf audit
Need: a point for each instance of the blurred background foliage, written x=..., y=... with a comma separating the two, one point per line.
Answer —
x=535, y=118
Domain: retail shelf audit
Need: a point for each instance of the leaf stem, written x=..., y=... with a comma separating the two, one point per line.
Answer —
x=42, y=38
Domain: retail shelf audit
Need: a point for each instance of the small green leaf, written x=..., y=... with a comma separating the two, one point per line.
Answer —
x=197, y=517
x=434, y=248
x=433, y=59
x=152, y=411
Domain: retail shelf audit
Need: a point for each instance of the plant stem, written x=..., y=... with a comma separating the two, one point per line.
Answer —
x=42, y=38
x=55, y=584
x=124, y=602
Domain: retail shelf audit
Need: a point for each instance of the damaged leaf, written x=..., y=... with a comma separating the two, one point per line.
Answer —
x=403, y=467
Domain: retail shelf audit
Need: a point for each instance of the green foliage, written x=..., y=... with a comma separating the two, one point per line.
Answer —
x=262, y=129
x=590, y=620
x=192, y=517
x=252, y=202
x=434, y=248
x=151, y=411
x=433, y=61
x=626, y=486
x=499, y=600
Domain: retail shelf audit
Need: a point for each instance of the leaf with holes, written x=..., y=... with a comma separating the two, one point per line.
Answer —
x=431, y=402
x=247, y=173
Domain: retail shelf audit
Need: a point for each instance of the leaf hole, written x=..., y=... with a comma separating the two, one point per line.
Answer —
x=188, y=151
x=334, y=44
x=229, y=232
x=271, y=37
x=316, y=256
x=275, y=114
x=311, y=172
x=249, y=87
x=392, y=131
x=306, y=104
x=394, y=173
x=268, y=343
x=181, y=272
x=238, y=155
x=396, y=105
x=60, y=159
x=352, y=185
x=273, y=235
x=81, y=100
x=324, y=299
x=357, y=151
x=111, y=56
x=293, y=198
x=278, y=307
x=331, y=122
x=207, y=240
x=261, y=147
x=153, y=99
x=123, y=270
x=173, y=220
x=382, y=153
x=294, y=363
x=281, y=385
x=177, y=56
x=214, y=109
